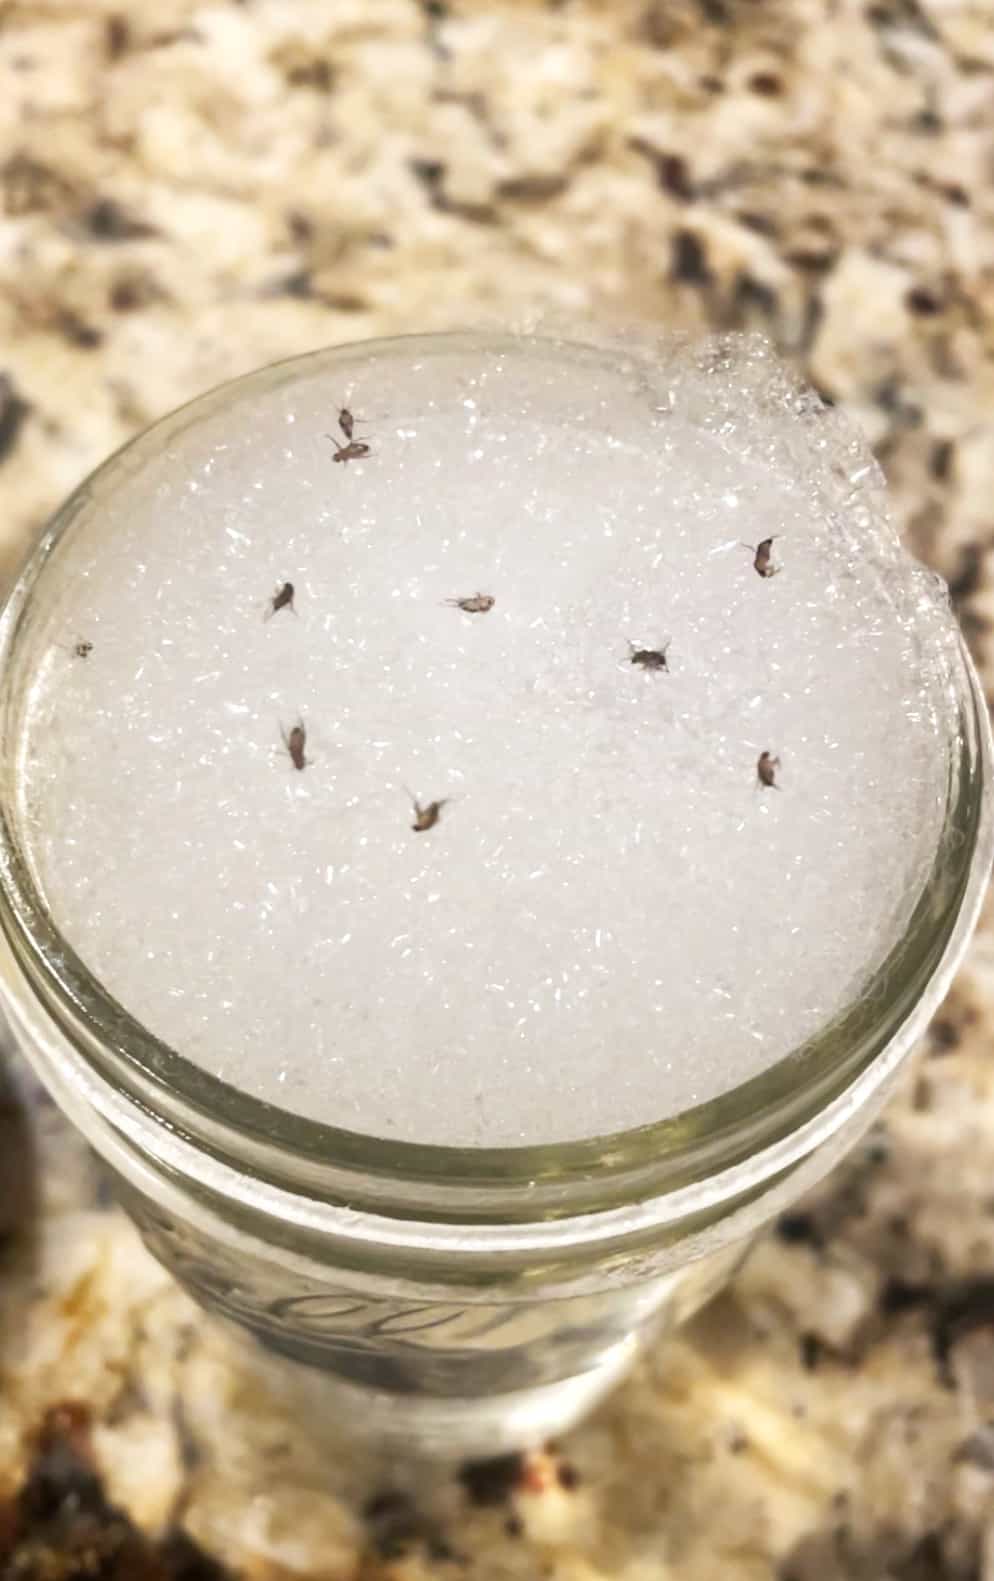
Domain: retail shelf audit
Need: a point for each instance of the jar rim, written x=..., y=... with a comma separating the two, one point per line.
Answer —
x=616, y=1168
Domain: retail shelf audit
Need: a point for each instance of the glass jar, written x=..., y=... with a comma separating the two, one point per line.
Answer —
x=445, y=1300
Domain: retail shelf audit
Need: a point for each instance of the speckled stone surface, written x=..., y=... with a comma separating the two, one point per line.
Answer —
x=190, y=190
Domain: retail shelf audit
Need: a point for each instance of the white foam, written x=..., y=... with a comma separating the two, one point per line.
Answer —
x=610, y=922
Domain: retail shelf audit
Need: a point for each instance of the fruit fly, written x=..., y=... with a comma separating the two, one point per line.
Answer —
x=649, y=658
x=766, y=771
x=427, y=816
x=295, y=743
x=346, y=422
x=762, y=553
x=82, y=650
x=353, y=451
x=475, y=604
x=282, y=599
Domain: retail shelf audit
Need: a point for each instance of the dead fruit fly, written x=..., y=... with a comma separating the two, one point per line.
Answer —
x=766, y=771
x=650, y=658
x=281, y=599
x=295, y=743
x=425, y=817
x=353, y=451
x=476, y=604
x=762, y=553
x=347, y=422
x=82, y=650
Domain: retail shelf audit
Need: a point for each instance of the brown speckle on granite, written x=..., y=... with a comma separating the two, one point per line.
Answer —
x=117, y=36
x=29, y=185
x=398, y=1527
x=567, y=1476
x=107, y=221
x=689, y=262
x=60, y=1526
x=299, y=283
x=672, y=170
x=797, y=1228
x=13, y=411
x=812, y=1350
x=130, y=292
x=952, y=1311
x=77, y=331
x=491, y=1481
x=186, y=196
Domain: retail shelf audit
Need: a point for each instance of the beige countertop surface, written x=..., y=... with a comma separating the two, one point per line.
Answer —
x=189, y=190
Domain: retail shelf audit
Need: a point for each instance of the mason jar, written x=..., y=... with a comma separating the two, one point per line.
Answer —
x=444, y=1300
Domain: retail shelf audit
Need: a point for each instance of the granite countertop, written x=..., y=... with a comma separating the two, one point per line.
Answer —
x=190, y=190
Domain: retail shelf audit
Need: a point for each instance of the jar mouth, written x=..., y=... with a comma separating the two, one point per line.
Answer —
x=277, y=1145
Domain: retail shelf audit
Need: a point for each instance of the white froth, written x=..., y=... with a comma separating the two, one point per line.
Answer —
x=610, y=921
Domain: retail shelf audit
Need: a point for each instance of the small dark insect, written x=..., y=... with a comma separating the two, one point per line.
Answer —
x=650, y=658
x=762, y=553
x=766, y=771
x=476, y=604
x=282, y=599
x=82, y=650
x=346, y=422
x=353, y=451
x=295, y=743
x=425, y=817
